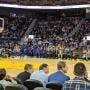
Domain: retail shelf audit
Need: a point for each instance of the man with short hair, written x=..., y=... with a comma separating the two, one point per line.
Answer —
x=41, y=75
x=42, y=88
x=28, y=70
x=79, y=82
x=59, y=76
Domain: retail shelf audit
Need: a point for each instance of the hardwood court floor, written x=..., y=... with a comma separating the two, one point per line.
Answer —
x=15, y=65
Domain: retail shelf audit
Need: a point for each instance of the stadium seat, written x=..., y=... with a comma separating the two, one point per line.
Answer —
x=54, y=86
x=31, y=84
x=42, y=88
x=1, y=87
x=18, y=80
x=15, y=87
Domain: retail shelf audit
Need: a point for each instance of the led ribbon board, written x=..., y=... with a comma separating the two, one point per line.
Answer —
x=45, y=7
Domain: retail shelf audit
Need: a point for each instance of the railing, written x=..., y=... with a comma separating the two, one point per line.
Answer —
x=31, y=26
x=76, y=28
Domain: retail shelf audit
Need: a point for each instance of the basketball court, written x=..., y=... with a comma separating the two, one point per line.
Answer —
x=15, y=65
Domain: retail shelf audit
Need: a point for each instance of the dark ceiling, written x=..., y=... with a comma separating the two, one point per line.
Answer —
x=45, y=2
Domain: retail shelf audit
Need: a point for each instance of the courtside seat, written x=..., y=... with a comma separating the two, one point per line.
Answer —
x=42, y=88
x=1, y=87
x=54, y=86
x=18, y=80
x=15, y=87
x=32, y=84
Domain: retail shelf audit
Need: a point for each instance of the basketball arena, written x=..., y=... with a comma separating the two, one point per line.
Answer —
x=49, y=37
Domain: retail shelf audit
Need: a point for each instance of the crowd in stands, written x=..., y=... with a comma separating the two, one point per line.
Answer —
x=54, y=36
x=15, y=26
x=80, y=82
x=59, y=36
x=14, y=29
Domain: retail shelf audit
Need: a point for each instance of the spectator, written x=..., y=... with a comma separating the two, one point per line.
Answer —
x=48, y=31
x=79, y=82
x=41, y=88
x=5, y=79
x=41, y=75
x=59, y=76
x=28, y=70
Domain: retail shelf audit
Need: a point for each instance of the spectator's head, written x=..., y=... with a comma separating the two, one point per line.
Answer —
x=80, y=70
x=62, y=66
x=41, y=88
x=44, y=67
x=2, y=73
x=29, y=68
